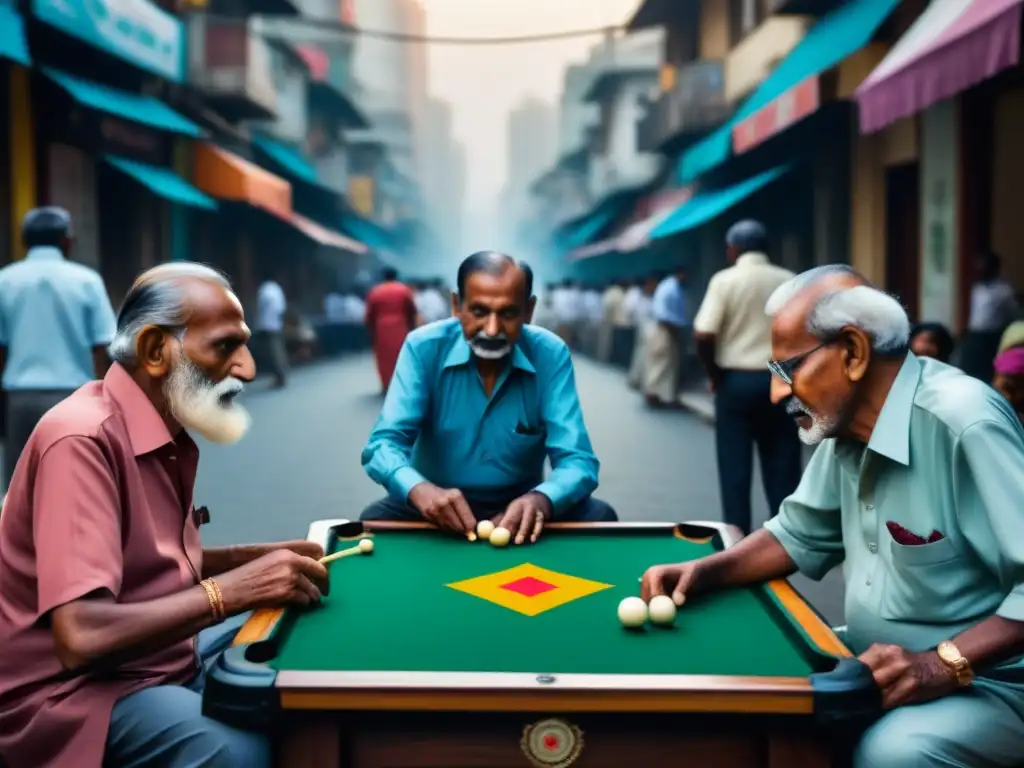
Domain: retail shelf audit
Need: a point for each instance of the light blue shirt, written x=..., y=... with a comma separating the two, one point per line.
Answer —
x=668, y=305
x=946, y=455
x=437, y=424
x=53, y=312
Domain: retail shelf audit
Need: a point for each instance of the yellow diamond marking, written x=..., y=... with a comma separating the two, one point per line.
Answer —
x=567, y=589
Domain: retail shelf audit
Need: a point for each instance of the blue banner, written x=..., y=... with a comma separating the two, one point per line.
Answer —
x=134, y=30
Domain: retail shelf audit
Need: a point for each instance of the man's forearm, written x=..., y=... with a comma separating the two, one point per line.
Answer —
x=755, y=559
x=991, y=641
x=104, y=633
x=218, y=560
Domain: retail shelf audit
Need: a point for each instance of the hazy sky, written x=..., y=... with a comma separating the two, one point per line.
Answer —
x=484, y=83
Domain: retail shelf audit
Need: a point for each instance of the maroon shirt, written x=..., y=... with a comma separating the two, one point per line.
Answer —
x=101, y=500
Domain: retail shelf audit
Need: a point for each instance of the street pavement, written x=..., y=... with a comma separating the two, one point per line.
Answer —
x=301, y=460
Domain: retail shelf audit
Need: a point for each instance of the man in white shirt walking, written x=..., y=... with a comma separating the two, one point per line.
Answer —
x=638, y=307
x=733, y=337
x=993, y=307
x=270, y=308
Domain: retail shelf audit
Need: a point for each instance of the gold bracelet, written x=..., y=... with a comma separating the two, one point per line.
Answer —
x=214, y=597
x=220, y=600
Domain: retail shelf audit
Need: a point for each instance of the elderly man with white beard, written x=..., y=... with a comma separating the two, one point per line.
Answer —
x=110, y=607
x=917, y=486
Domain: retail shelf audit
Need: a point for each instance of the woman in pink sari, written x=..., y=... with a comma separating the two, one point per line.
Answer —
x=390, y=315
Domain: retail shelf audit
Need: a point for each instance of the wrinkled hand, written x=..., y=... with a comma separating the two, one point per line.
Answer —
x=907, y=678
x=302, y=547
x=281, y=577
x=524, y=518
x=445, y=508
x=675, y=580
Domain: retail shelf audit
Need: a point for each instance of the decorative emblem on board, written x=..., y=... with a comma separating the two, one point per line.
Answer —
x=552, y=743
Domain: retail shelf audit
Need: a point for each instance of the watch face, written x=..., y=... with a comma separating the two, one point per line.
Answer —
x=948, y=653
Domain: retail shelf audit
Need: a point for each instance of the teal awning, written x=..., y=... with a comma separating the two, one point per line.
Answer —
x=13, y=45
x=705, y=206
x=587, y=229
x=163, y=182
x=373, y=235
x=837, y=35
x=123, y=104
x=290, y=160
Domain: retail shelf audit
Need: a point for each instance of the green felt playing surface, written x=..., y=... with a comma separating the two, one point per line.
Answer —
x=392, y=611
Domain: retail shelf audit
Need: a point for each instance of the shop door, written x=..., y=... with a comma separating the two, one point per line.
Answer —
x=903, y=235
x=73, y=187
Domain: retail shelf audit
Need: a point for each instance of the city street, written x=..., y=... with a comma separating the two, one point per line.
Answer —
x=300, y=461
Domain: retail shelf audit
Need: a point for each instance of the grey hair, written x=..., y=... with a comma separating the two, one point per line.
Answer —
x=157, y=297
x=866, y=307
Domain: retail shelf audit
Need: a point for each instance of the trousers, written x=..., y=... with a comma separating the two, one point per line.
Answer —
x=981, y=726
x=745, y=418
x=25, y=407
x=590, y=510
x=164, y=726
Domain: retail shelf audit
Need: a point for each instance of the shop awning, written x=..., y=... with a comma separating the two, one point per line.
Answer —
x=123, y=104
x=289, y=161
x=834, y=37
x=586, y=230
x=705, y=206
x=163, y=182
x=366, y=231
x=227, y=176
x=13, y=45
x=952, y=46
x=324, y=236
x=637, y=233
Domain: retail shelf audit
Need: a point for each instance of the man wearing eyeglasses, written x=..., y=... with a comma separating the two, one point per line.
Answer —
x=733, y=338
x=917, y=487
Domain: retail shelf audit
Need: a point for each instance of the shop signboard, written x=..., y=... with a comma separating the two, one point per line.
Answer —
x=134, y=30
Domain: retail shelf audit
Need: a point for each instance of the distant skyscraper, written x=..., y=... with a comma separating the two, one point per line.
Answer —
x=532, y=141
x=532, y=145
x=443, y=174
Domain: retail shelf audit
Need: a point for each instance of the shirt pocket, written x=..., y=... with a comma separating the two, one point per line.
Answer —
x=921, y=581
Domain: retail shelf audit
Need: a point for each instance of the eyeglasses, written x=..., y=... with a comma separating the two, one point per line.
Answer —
x=785, y=369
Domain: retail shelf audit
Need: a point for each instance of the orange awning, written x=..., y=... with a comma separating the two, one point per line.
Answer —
x=325, y=236
x=226, y=176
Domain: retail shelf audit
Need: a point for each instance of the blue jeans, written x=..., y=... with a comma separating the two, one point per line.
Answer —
x=164, y=726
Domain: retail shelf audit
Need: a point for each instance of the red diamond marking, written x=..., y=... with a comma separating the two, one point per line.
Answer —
x=529, y=586
x=551, y=742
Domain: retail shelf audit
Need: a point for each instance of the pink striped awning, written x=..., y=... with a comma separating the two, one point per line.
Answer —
x=955, y=44
x=637, y=233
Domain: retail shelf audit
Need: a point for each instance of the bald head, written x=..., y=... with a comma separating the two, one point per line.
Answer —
x=495, y=264
x=165, y=296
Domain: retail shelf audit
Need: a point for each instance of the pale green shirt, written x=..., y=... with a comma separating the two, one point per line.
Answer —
x=946, y=455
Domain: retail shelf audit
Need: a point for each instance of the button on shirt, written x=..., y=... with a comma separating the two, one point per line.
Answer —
x=437, y=423
x=669, y=303
x=270, y=307
x=53, y=312
x=733, y=312
x=946, y=455
x=102, y=500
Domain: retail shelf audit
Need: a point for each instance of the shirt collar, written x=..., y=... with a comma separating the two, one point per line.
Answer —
x=44, y=253
x=146, y=429
x=891, y=435
x=752, y=258
x=460, y=353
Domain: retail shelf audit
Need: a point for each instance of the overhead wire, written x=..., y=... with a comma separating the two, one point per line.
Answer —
x=402, y=37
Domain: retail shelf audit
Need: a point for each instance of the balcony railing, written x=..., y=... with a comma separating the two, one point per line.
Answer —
x=694, y=103
x=231, y=65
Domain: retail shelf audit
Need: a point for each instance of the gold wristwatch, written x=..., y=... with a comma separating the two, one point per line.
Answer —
x=958, y=665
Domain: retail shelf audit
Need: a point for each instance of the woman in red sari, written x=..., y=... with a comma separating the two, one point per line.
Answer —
x=390, y=315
